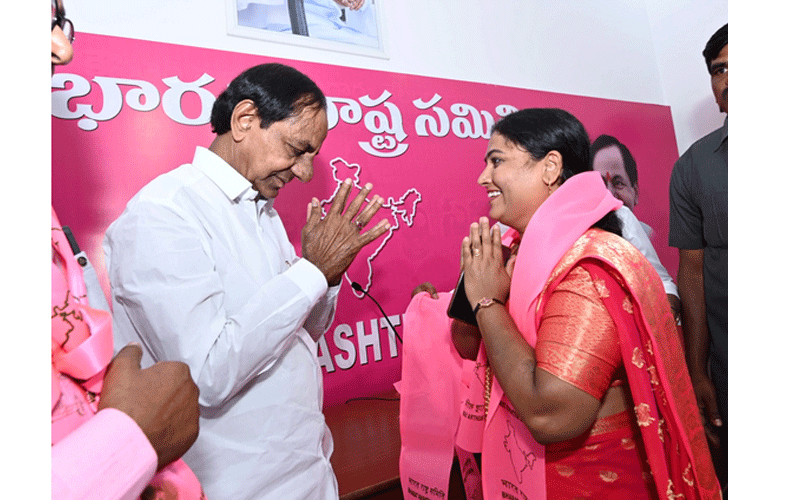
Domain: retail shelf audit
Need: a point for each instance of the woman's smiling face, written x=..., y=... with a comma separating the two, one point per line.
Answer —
x=514, y=183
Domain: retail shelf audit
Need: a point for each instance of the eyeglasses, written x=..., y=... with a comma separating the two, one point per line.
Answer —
x=62, y=22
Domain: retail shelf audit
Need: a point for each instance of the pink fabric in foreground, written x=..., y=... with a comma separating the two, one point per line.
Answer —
x=429, y=398
x=95, y=455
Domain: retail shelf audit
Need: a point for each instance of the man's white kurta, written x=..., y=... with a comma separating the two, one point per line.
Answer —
x=202, y=271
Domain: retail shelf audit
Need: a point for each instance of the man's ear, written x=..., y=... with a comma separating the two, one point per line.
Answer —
x=636, y=194
x=244, y=117
x=553, y=165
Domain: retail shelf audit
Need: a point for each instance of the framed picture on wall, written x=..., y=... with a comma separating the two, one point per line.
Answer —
x=351, y=26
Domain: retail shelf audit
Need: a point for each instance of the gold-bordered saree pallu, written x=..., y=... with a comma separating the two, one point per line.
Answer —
x=664, y=402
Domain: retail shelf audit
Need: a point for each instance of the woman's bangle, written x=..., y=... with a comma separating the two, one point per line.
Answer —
x=486, y=302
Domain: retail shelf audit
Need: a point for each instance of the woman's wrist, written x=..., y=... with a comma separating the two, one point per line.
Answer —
x=486, y=302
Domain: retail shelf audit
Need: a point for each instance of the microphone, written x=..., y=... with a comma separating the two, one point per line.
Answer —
x=358, y=288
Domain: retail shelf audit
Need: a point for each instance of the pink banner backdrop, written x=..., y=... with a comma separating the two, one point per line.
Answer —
x=125, y=111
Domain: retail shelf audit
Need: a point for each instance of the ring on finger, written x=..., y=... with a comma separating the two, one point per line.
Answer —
x=359, y=224
x=476, y=252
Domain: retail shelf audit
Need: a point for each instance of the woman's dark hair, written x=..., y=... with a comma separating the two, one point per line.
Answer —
x=715, y=44
x=278, y=92
x=605, y=141
x=610, y=222
x=541, y=130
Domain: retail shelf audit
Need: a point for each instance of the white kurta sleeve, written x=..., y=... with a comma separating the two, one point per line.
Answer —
x=166, y=282
x=321, y=317
x=633, y=231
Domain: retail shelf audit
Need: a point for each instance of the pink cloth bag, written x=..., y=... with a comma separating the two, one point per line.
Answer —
x=429, y=399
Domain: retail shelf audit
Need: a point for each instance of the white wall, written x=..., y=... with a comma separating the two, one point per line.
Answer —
x=680, y=30
x=645, y=51
x=523, y=44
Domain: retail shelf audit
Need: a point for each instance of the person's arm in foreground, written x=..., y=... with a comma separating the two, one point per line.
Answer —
x=695, y=332
x=146, y=420
x=686, y=234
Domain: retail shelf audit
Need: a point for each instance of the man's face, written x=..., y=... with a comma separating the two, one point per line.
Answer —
x=272, y=157
x=719, y=79
x=61, y=48
x=608, y=161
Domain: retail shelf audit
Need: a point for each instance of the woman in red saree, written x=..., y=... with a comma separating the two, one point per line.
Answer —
x=580, y=388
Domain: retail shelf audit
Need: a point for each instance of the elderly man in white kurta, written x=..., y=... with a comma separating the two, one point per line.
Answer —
x=202, y=271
